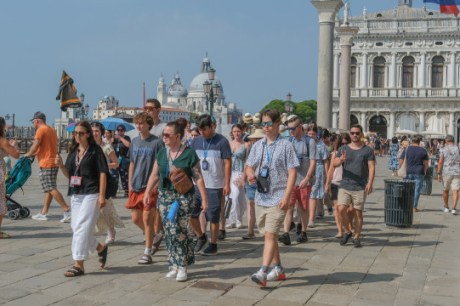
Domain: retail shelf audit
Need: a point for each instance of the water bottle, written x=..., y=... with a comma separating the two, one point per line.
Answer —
x=172, y=212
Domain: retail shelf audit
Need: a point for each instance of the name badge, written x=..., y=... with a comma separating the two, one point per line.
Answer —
x=75, y=181
x=205, y=165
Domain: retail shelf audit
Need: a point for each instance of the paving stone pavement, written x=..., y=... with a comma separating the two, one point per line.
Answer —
x=396, y=266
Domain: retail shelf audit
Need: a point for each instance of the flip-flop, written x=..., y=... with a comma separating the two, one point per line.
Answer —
x=338, y=236
x=4, y=235
x=74, y=271
x=103, y=256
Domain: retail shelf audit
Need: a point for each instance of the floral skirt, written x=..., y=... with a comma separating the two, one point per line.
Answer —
x=179, y=243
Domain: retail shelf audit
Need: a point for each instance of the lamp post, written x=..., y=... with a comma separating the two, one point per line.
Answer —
x=212, y=90
x=289, y=106
x=8, y=117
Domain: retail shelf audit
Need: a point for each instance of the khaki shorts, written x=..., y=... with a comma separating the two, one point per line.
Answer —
x=451, y=182
x=355, y=198
x=270, y=219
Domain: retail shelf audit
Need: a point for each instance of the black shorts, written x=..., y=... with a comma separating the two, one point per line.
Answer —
x=334, y=192
x=214, y=204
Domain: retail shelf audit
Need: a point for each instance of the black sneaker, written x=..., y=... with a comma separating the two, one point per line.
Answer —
x=302, y=237
x=299, y=228
x=345, y=238
x=357, y=243
x=329, y=210
x=200, y=243
x=285, y=239
x=222, y=235
x=210, y=250
x=292, y=226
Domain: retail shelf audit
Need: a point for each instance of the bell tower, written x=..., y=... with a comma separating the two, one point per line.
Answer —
x=405, y=2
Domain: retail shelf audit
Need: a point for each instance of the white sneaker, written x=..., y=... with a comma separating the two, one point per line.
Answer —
x=238, y=224
x=276, y=274
x=311, y=224
x=446, y=209
x=172, y=272
x=66, y=218
x=454, y=212
x=230, y=225
x=181, y=274
x=40, y=217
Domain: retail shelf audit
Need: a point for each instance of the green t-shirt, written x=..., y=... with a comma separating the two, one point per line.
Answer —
x=186, y=161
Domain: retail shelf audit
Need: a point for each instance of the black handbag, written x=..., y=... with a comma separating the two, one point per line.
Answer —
x=263, y=184
x=111, y=187
x=228, y=207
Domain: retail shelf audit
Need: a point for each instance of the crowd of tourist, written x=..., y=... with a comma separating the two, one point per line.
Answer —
x=178, y=179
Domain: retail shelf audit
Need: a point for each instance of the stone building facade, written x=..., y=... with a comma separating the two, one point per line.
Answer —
x=405, y=72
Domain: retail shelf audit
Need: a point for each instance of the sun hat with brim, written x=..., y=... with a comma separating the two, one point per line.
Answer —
x=258, y=133
x=291, y=118
x=247, y=118
x=256, y=118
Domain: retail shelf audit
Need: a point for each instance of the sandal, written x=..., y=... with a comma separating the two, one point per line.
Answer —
x=4, y=235
x=248, y=236
x=74, y=271
x=145, y=260
x=103, y=256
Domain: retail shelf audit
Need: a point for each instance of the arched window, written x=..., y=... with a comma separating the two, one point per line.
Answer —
x=437, y=68
x=408, y=72
x=354, y=63
x=379, y=72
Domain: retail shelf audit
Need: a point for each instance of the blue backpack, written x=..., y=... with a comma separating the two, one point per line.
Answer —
x=19, y=174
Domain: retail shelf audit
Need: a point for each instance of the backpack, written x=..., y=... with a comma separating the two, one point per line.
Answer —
x=19, y=174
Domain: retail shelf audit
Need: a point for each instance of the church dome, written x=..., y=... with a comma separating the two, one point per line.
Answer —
x=176, y=89
x=197, y=82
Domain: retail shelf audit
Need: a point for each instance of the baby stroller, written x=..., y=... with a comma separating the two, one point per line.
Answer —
x=19, y=175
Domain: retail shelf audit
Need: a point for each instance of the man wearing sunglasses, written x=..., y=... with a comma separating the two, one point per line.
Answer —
x=305, y=149
x=272, y=165
x=45, y=148
x=153, y=108
x=358, y=161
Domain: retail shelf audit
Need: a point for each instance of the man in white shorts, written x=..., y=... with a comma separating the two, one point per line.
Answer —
x=449, y=173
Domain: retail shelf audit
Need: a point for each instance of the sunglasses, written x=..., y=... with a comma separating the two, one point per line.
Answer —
x=292, y=129
x=355, y=133
x=80, y=134
x=150, y=108
x=266, y=123
x=167, y=135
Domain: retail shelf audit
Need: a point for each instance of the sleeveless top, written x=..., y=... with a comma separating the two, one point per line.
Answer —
x=238, y=158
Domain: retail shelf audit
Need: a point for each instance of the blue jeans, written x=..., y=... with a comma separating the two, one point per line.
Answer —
x=418, y=186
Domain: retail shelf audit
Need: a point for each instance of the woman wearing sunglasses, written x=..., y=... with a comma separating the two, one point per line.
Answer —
x=176, y=155
x=86, y=168
x=108, y=218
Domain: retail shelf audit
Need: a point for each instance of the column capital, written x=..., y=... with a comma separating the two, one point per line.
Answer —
x=346, y=34
x=327, y=9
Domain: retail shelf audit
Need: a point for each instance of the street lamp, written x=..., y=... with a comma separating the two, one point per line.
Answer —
x=212, y=90
x=8, y=117
x=289, y=106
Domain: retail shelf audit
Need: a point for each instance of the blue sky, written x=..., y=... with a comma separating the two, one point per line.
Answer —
x=261, y=49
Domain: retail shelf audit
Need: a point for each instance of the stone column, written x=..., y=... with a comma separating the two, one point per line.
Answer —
x=451, y=124
x=327, y=10
x=363, y=121
x=421, y=126
x=336, y=71
x=391, y=131
x=334, y=120
x=392, y=81
x=346, y=34
x=364, y=80
x=452, y=66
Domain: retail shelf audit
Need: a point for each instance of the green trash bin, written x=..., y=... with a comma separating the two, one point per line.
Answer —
x=427, y=182
x=399, y=200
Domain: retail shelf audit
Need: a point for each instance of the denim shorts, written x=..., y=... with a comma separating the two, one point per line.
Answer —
x=250, y=191
x=214, y=204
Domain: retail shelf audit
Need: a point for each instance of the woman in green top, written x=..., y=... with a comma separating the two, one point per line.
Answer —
x=175, y=154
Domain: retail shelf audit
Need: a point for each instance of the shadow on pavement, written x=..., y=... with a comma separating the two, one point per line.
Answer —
x=342, y=278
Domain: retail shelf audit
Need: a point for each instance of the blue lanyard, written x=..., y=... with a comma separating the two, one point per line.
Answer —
x=269, y=158
x=205, y=152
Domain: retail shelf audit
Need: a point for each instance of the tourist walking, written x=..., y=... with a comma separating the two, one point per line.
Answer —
x=305, y=149
x=215, y=155
x=393, y=162
x=358, y=162
x=417, y=164
x=108, y=217
x=44, y=148
x=240, y=150
x=121, y=144
x=449, y=173
x=86, y=168
x=271, y=165
x=171, y=198
x=143, y=152
x=7, y=148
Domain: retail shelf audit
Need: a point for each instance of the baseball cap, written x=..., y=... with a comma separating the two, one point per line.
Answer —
x=39, y=115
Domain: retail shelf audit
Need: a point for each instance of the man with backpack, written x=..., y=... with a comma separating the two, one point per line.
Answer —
x=44, y=148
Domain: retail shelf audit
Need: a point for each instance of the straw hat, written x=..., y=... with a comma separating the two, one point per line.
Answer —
x=258, y=134
x=247, y=118
x=256, y=118
x=282, y=128
x=283, y=118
